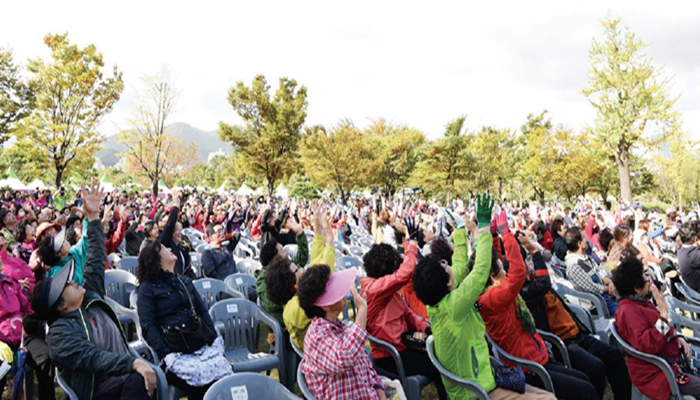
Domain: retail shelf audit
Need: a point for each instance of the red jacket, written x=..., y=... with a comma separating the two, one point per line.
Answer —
x=547, y=241
x=635, y=323
x=388, y=315
x=498, y=309
x=112, y=244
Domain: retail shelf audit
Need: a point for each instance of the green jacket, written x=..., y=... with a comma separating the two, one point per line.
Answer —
x=300, y=260
x=78, y=253
x=458, y=329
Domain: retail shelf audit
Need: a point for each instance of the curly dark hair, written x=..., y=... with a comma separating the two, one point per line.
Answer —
x=605, y=238
x=572, y=238
x=149, y=261
x=311, y=286
x=45, y=252
x=268, y=252
x=555, y=227
x=442, y=249
x=430, y=280
x=688, y=233
x=280, y=281
x=628, y=276
x=495, y=268
x=381, y=260
x=21, y=229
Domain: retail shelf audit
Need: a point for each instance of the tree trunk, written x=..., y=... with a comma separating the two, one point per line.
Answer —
x=59, y=176
x=270, y=188
x=154, y=187
x=623, y=169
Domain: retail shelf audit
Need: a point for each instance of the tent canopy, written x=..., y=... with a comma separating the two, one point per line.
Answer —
x=282, y=191
x=244, y=190
x=106, y=183
x=36, y=184
x=12, y=182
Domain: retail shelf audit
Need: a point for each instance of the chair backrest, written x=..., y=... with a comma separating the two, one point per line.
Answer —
x=531, y=365
x=366, y=242
x=655, y=360
x=690, y=295
x=687, y=319
x=240, y=283
x=211, y=290
x=296, y=349
x=357, y=251
x=113, y=259
x=249, y=267
x=247, y=385
x=473, y=387
x=193, y=234
x=200, y=248
x=339, y=246
x=346, y=262
x=291, y=250
x=119, y=285
x=301, y=380
x=239, y=319
x=196, y=264
x=564, y=289
x=129, y=264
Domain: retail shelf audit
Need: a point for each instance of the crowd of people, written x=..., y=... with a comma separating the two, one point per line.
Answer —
x=467, y=272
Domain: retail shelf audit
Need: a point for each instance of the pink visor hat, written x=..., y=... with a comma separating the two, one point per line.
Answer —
x=337, y=287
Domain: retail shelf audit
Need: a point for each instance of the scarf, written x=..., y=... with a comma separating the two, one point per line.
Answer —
x=522, y=313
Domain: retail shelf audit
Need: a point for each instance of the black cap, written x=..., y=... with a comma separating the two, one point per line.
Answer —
x=52, y=288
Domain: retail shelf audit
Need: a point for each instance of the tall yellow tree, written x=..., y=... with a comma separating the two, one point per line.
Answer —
x=72, y=96
x=343, y=157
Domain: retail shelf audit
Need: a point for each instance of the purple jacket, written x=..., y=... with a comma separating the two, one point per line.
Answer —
x=14, y=305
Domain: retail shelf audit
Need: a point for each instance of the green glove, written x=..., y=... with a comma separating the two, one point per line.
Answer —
x=484, y=205
x=6, y=353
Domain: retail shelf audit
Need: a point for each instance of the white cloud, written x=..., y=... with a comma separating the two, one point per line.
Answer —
x=421, y=63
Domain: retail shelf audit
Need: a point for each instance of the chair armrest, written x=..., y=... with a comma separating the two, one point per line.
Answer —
x=457, y=380
x=559, y=344
x=597, y=301
x=235, y=293
x=394, y=354
x=686, y=291
x=527, y=364
x=274, y=325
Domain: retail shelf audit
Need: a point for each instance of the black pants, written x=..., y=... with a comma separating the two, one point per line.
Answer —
x=415, y=363
x=192, y=392
x=599, y=360
x=568, y=383
x=133, y=388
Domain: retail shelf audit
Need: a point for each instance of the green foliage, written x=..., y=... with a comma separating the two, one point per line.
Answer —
x=493, y=152
x=630, y=96
x=16, y=98
x=398, y=149
x=72, y=96
x=268, y=144
x=676, y=167
x=304, y=189
x=342, y=158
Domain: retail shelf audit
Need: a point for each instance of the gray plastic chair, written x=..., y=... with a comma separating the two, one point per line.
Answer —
x=249, y=267
x=556, y=342
x=196, y=262
x=240, y=283
x=691, y=296
x=291, y=250
x=473, y=387
x=679, y=320
x=248, y=386
x=531, y=365
x=238, y=320
x=412, y=385
x=119, y=285
x=656, y=361
x=366, y=242
x=200, y=248
x=346, y=262
x=357, y=251
x=139, y=345
x=340, y=246
x=301, y=380
x=602, y=320
x=129, y=264
x=295, y=348
x=211, y=290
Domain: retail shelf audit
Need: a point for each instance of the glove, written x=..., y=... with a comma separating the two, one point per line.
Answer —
x=459, y=222
x=6, y=353
x=484, y=205
x=502, y=223
x=413, y=228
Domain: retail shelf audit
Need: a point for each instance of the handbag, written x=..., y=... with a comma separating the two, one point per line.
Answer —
x=509, y=378
x=187, y=337
x=410, y=340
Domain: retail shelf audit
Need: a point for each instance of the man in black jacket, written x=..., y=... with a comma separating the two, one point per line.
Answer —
x=551, y=314
x=217, y=261
x=689, y=255
x=85, y=339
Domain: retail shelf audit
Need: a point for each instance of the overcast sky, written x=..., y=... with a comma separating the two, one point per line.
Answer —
x=420, y=63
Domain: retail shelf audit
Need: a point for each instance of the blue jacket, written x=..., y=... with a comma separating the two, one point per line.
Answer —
x=69, y=338
x=164, y=302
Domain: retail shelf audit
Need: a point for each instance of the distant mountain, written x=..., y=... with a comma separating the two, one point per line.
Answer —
x=207, y=142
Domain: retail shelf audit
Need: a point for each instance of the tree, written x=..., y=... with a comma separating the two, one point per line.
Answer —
x=447, y=161
x=493, y=151
x=304, y=189
x=676, y=167
x=268, y=144
x=630, y=96
x=72, y=97
x=16, y=98
x=574, y=168
x=534, y=153
x=342, y=158
x=398, y=151
x=149, y=147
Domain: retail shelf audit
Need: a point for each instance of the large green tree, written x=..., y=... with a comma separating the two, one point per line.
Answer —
x=630, y=96
x=15, y=95
x=343, y=158
x=493, y=151
x=536, y=160
x=398, y=148
x=72, y=97
x=268, y=144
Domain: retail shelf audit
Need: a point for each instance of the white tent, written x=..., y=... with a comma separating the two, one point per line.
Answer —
x=222, y=188
x=106, y=183
x=36, y=184
x=282, y=191
x=12, y=182
x=244, y=190
x=162, y=188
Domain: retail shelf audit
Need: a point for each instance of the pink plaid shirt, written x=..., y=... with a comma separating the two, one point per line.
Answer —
x=335, y=365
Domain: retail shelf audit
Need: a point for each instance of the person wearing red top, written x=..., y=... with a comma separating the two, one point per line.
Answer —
x=645, y=327
x=389, y=317
x=510, y=324
x=112, y=244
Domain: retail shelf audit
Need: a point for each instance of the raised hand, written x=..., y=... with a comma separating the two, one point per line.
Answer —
x=176, y=199
x=484, y=206
x=502, y=223
x=91, y=200
x=412, y=228
x=124, y=212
